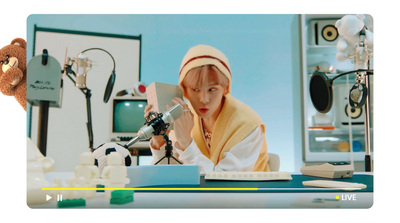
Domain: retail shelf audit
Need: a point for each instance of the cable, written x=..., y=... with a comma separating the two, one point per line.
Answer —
x=369, y=72
x=103, y=51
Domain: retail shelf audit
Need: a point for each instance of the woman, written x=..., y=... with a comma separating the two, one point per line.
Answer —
x=216, y=131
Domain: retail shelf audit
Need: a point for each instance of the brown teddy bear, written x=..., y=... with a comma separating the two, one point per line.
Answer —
x=13, y=70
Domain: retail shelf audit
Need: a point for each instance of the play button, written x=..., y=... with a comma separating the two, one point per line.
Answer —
x=48, y=197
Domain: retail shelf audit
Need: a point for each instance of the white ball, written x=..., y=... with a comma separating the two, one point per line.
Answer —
x=101, y=152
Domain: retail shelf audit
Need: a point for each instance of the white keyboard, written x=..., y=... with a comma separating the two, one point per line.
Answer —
x=334, y=184
x=248, y=176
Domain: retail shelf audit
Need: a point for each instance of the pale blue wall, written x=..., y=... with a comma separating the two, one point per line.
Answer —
x=263, y=51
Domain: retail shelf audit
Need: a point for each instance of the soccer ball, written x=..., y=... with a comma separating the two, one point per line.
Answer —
x=101, y=152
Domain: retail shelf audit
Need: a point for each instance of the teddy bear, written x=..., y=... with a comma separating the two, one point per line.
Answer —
x=349, y=27
x=13, y=70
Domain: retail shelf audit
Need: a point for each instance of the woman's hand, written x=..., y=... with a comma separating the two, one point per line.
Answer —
x=156, y=141
x=183, y=125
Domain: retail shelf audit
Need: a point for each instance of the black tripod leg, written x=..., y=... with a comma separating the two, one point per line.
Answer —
x=177, y=160
x=168, y=151
x=168, y=160
x=159, y=160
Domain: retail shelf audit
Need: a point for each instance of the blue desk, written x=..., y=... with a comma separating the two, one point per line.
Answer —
x=272, y=194
x=291, y=186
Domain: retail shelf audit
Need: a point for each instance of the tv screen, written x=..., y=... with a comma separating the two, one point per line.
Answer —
x=128, y=115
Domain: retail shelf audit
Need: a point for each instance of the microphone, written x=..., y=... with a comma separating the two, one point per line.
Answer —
x=82, y=64
x=157, y=125
x=358, y=92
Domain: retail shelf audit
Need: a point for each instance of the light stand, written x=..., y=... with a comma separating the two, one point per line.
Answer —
x=43, y=115
x=44, y=89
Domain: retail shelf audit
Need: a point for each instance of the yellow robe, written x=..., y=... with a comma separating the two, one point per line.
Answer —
x=235, y=122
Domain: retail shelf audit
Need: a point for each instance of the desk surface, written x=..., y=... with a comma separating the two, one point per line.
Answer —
x=285, y=186
x=272, y=194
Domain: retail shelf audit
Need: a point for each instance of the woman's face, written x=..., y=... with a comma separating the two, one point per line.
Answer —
x=206, y=99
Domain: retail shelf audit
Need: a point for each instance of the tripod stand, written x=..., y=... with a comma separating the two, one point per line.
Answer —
x=168, y=151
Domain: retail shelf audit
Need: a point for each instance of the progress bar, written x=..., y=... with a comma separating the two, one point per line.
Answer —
x=206, y=189
x=155, y=189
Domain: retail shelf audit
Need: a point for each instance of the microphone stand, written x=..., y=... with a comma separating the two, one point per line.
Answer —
x=368, y=160
x=87, y=93
x=361, y=60
x=160, y=128
x=168, y=151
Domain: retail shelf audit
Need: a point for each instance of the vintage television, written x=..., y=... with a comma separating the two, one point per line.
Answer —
x=127, y=117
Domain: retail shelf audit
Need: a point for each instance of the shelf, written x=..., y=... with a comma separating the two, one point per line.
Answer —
x=335, y=156
x=335, y=132
x=337, y=140
x=329, y=144
x=318, y=49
